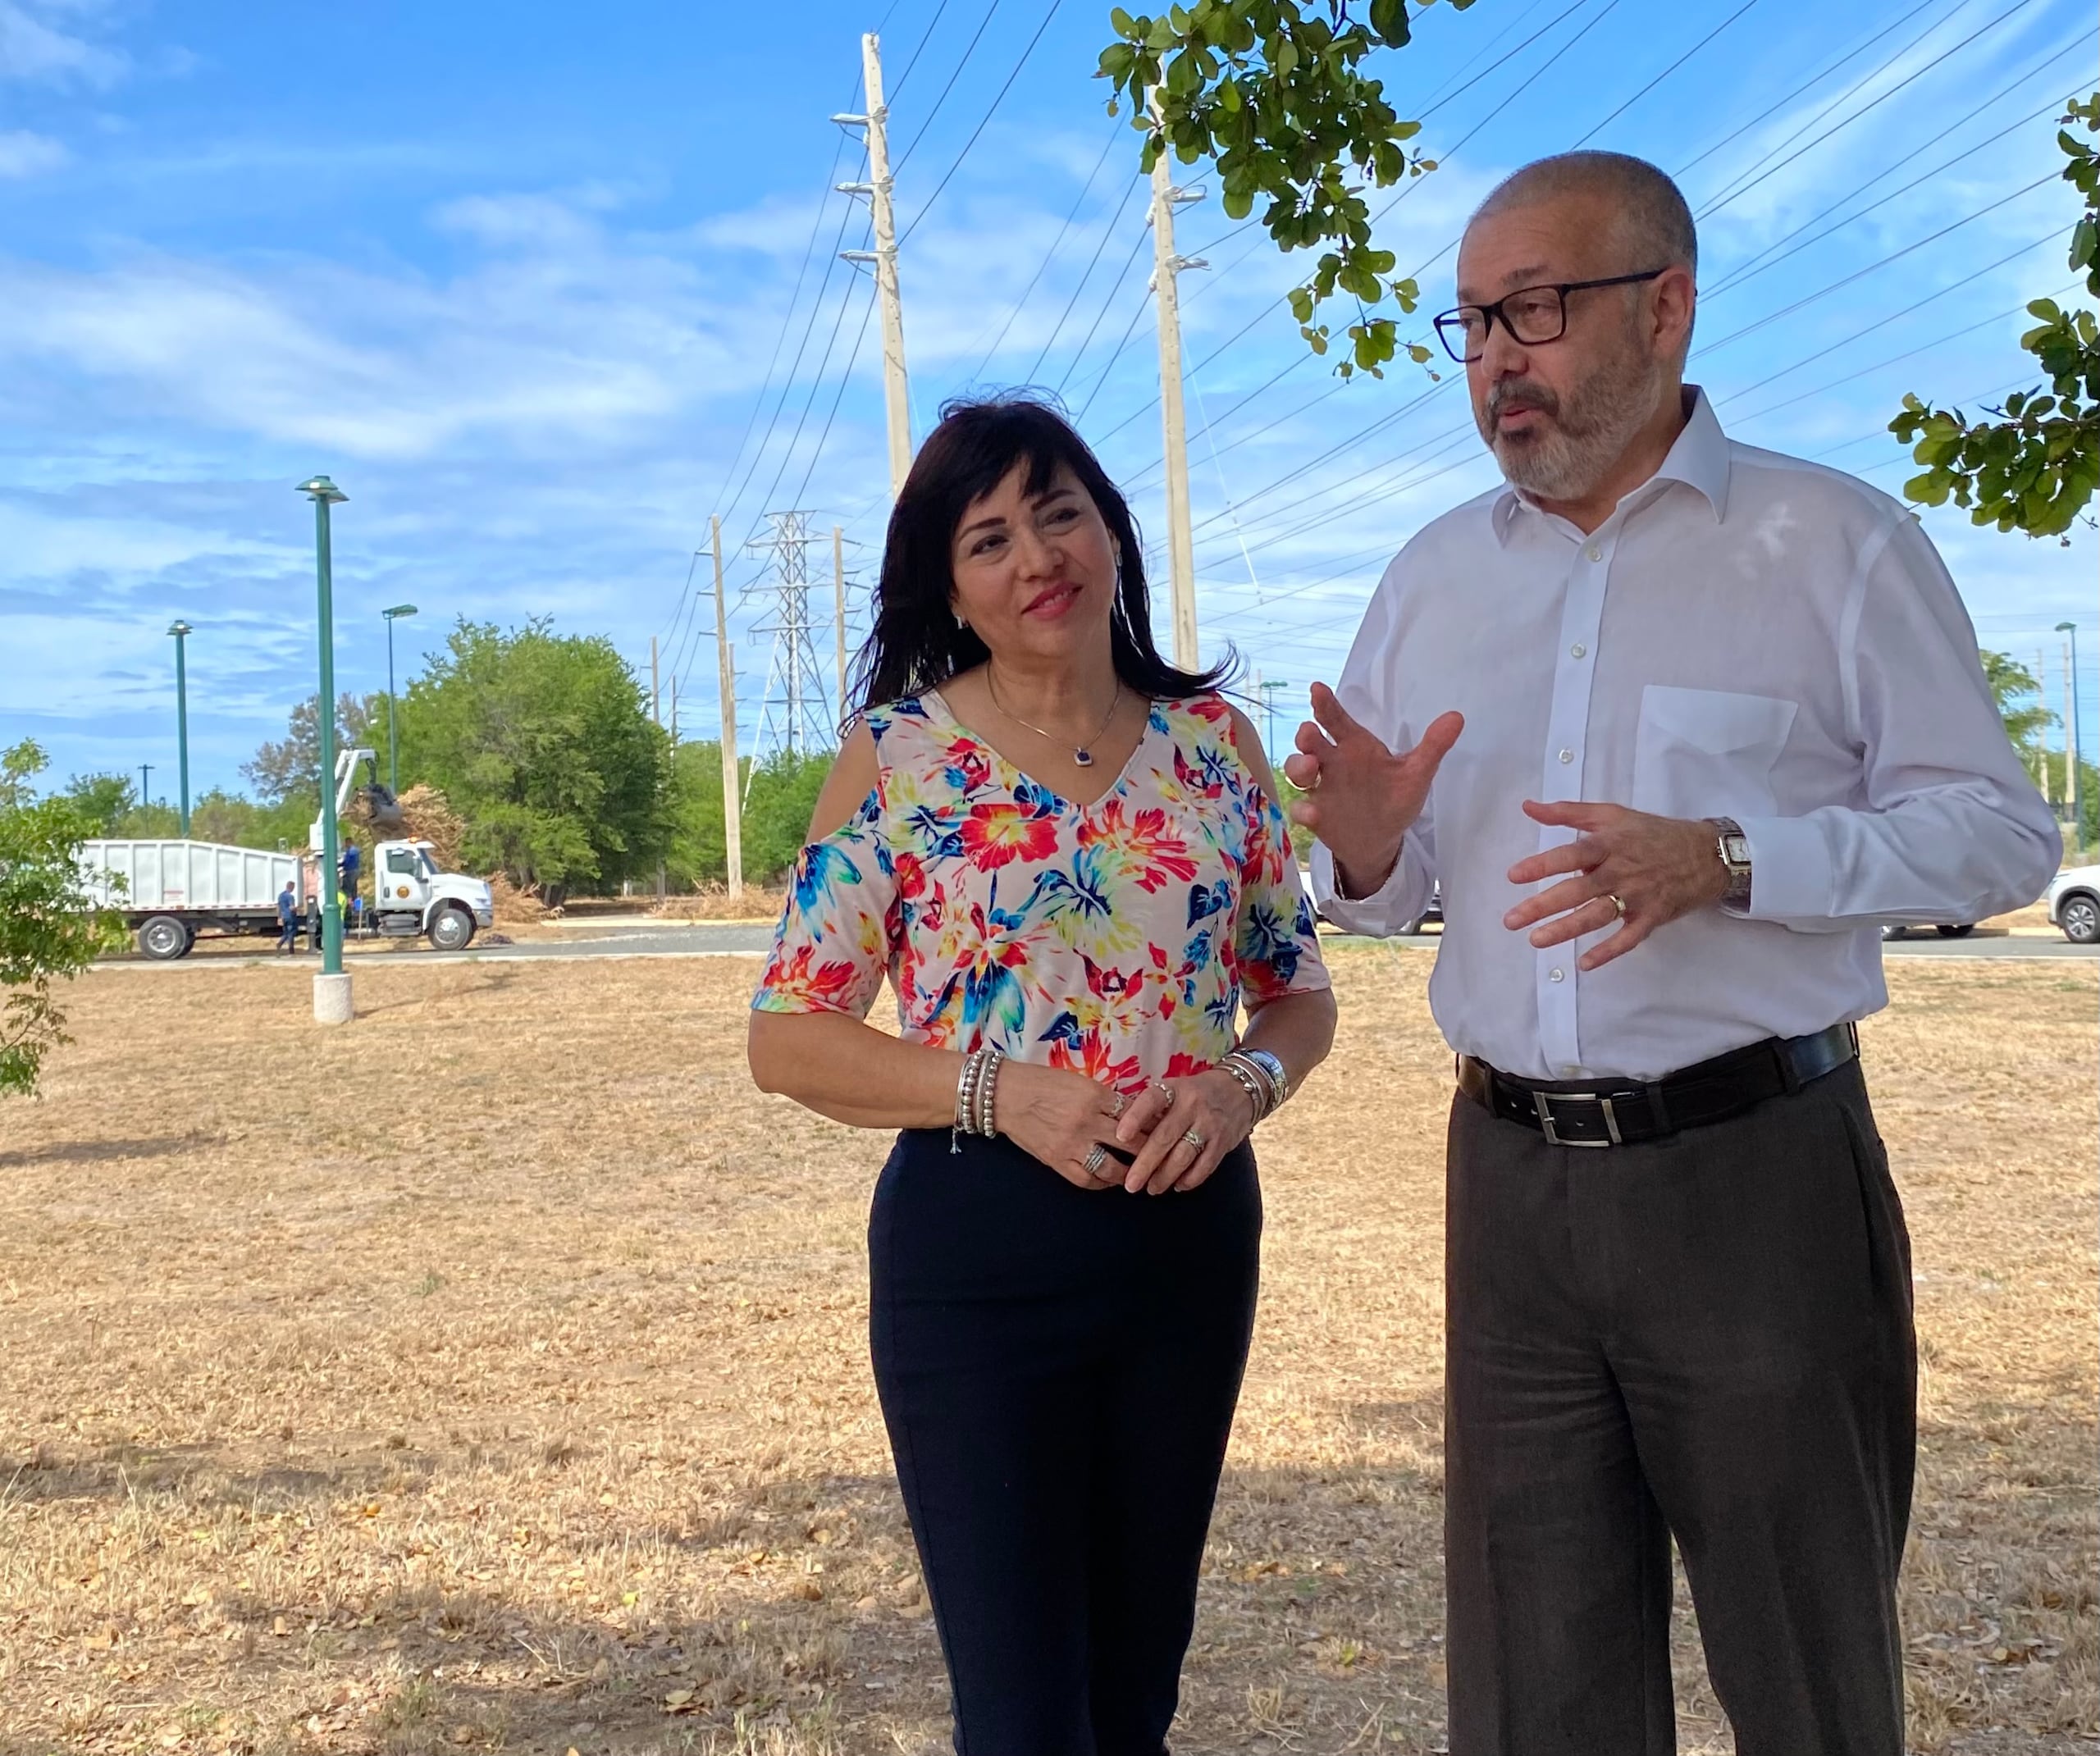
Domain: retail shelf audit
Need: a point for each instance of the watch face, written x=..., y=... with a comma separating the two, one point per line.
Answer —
x=1735, y=849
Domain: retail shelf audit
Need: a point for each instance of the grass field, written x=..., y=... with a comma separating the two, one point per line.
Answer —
x=491, y=1375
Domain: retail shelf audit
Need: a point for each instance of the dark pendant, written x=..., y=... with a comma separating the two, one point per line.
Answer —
x=1083, y=757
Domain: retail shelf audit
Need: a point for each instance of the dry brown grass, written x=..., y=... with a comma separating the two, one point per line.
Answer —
x=491, y=1375
x=713, y=902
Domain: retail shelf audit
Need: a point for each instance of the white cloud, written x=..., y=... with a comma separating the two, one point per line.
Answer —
x=24, y=154
x=34, y=50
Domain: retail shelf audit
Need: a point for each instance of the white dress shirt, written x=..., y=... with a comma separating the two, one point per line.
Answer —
x=1748, y=635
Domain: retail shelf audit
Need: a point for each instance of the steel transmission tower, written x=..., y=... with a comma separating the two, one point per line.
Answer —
x=795, y=716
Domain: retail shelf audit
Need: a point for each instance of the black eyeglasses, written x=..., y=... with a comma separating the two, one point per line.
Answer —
x=1533, y=315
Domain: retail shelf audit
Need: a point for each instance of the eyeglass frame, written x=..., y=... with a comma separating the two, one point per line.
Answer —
x=1490, y=315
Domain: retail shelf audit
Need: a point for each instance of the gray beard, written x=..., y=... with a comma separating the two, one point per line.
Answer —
x=1590, y=431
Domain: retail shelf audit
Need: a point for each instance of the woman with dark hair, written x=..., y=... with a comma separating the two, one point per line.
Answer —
x=1068, y=858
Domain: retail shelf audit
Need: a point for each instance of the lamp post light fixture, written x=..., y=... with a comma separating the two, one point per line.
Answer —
x=393, y=741
x=331, y=987
x=182, y=631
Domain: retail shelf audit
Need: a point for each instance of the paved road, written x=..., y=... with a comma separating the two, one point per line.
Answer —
x=637, y=937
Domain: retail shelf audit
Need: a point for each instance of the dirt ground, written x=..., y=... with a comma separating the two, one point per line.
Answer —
x=491, y=1375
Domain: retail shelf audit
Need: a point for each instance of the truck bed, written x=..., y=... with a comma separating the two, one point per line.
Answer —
x=180, y=876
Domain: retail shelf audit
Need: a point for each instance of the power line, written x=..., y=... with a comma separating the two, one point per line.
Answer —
x=954, y=74
x=1129, y=328
x=1750, y=329
x=925, y=37
x=1115, y=286
x=1048, y=255
x=1093, y=261
x=1714, y=207
x=1666, y=73
x=926, y=208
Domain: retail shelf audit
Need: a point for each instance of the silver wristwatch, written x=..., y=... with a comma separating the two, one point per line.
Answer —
x=1732, y=845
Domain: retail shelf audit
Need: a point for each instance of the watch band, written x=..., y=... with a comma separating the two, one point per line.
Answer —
x=1732, y=847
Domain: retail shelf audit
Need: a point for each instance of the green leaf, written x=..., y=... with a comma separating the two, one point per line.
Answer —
x=1389, y=22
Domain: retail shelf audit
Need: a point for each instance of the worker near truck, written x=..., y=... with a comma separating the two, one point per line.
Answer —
x=287, y=920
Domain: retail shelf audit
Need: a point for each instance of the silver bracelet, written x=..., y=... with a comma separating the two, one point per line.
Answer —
x=1252, y=1084
x=988, y=1087
x=974, y=1093
x=1266, y=1079
x=1273, y=1070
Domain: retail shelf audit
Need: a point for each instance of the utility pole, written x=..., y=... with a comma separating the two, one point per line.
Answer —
x=733, y=794
x=1267, y=687
x=2069, y=630
x=674, y=712
x=145, y=783
x=897, y=402
x=655, y=685
x=838, y=609
x=1181, y=540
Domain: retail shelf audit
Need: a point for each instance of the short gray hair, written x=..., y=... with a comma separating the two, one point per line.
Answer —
x=1655, y=223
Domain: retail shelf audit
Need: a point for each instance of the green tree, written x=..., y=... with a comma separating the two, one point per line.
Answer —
x=104, y=799
x=2014, y=688
x=784, y=792
x=1273, y=91
x=289, y=767
x=50, y=930
x=2035, y=467
x=544, y=745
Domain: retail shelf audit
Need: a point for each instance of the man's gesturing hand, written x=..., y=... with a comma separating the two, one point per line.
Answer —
x=1361, y=797
x=1658, y=867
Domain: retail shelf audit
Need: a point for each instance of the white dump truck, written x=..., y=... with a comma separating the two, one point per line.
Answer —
x=172, y=891
x=169, y=892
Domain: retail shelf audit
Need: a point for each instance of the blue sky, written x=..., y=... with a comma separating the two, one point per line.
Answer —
x=529, y=282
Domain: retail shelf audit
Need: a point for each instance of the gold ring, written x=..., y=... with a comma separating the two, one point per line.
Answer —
x=1617, y=904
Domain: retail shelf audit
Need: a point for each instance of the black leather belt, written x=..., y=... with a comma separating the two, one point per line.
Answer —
x=1626, y=1112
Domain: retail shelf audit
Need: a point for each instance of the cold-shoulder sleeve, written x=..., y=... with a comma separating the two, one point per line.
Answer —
x=1275, y=939
x=836, y=933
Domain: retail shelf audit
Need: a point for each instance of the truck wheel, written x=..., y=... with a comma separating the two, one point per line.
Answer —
x=2080, y=918
x=164, y=939
x=1953, y=931
x=452, y=931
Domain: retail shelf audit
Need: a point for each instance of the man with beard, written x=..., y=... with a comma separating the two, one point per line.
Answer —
x=1677, y=724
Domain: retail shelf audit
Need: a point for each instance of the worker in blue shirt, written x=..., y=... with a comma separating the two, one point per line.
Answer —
x=287, y=920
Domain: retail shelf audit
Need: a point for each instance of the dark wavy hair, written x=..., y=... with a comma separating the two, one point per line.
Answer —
x=916, y=643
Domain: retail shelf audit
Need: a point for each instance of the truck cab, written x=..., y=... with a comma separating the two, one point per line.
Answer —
x=410, y=896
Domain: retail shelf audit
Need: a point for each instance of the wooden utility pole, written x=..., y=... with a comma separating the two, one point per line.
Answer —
x=1181, y=540
x=655, y=685
x=674, y=712
x=897, y=402
x=733, y=791
x=838, y=610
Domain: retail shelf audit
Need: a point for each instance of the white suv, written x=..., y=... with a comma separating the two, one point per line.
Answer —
x=2074, y=900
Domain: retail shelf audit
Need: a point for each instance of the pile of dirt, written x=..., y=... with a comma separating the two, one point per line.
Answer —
x=713, y=902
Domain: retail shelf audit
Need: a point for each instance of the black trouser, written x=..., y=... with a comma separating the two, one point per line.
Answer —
x=1058, y=1368
x=1707, y=1337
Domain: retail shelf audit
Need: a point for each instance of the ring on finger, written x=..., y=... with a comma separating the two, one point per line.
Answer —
x=1117, y=1103
x=1097, y=1161
x=1617, y=904
x=1195, y=1138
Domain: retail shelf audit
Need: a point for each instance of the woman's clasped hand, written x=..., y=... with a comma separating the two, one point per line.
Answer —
x=1169, y=1136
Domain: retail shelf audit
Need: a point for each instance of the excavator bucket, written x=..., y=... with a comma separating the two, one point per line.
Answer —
x=380, y=806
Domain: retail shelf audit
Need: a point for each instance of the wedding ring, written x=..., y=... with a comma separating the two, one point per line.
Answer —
x=1617, y=904
x=1120, y=1103
x=1193, y=1138
x=1096, y=1161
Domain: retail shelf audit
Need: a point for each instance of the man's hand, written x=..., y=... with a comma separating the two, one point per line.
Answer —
x=1658, y=867
x=1361, y=798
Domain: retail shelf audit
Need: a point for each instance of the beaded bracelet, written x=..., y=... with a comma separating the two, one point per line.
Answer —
x=975, y=1096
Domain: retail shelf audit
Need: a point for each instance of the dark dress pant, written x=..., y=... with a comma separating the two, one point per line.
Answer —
x=1705, y=1337
x=1058, y=1368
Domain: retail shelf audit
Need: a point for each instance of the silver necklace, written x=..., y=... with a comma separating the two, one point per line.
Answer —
x=1082, y=753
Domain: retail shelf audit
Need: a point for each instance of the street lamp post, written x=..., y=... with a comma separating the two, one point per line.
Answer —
x=2069, y=630
x=393, y=740
x=182, y=631
x=331, y=987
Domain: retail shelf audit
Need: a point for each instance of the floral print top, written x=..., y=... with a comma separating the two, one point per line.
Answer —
x=1117, y=939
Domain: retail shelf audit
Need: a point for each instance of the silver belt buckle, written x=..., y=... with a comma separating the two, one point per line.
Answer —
x=1542, y=1103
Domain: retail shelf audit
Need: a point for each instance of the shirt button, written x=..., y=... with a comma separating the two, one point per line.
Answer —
x=1578, y=651
x=1567, y=755
x=1595, y=553
x=1557, y=975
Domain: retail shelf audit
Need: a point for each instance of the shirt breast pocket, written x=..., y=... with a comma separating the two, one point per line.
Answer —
x=1707, y=752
